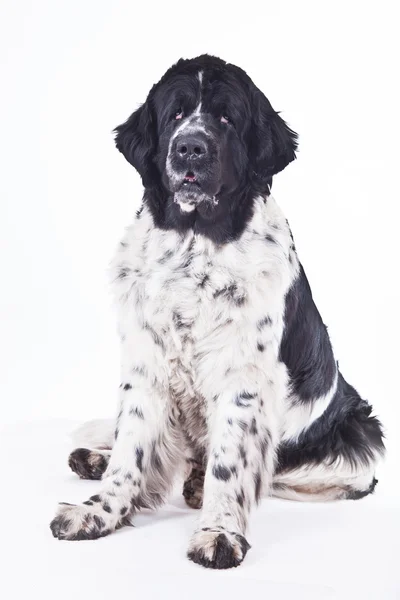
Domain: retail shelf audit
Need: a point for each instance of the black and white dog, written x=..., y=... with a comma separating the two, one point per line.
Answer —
x=227, y=368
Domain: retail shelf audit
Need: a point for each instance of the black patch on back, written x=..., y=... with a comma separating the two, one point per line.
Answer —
x=305, y=348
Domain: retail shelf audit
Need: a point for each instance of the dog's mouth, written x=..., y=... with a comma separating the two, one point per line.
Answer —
x=190, y=194
x=190, y=181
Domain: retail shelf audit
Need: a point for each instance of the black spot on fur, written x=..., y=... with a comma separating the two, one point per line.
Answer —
x=106, y=507
x=230, y=292
x=95, y=498
x=204, y=280
x=242, y=424
x=243, y=398
x=264, y=443
x=243, y=455
x=88, y=503
x=127, y=386
x=240, y=497
x=123, y=272
x=166, y=257
x=156, y=338
x=222, y=473
x=123, y=510
x=99, y=521
x=187, y=261
x=257, y=486
x=248, y=396
x=253, y=427
x=260, y=347
x=135, y=411
x=266, y=321
x=270, y=239
x=139, y=458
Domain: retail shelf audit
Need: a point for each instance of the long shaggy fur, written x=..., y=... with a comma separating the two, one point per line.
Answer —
x=227, y=370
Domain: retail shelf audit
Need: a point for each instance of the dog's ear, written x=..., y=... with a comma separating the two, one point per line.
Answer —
x=136, y=140
x=272, y=144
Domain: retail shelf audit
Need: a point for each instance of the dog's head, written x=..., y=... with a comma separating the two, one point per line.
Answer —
x=204, y=134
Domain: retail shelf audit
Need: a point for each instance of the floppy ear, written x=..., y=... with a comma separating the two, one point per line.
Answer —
x=136, y=140
x=273, y=144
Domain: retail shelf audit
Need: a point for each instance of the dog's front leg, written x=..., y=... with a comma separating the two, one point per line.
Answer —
x=243, y=438
x=146, y=451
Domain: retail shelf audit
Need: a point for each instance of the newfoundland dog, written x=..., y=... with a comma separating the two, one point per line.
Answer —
x=227, y=372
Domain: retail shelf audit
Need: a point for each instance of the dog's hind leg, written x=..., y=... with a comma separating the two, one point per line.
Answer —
x=89, y=464
x=324, y=483
x=332, y=462
x=94, y=440
x=193, y=486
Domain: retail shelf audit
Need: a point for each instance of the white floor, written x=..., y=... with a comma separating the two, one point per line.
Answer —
x=346, y=550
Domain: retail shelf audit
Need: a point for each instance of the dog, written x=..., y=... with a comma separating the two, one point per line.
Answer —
x=227, y=372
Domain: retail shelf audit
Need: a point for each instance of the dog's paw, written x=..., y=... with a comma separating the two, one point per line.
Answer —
x=216, y=548
x=193, y=488
x=88, y=464
x=80, y=522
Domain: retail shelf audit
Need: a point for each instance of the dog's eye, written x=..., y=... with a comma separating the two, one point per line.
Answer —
x=225, y=119
x=178, y=114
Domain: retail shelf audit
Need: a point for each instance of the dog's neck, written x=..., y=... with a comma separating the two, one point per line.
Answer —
x=221, y=222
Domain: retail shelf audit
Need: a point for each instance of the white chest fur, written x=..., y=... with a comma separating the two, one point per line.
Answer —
x=206, y=304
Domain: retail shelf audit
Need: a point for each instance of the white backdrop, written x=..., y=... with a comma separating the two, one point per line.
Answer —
x=72, y=70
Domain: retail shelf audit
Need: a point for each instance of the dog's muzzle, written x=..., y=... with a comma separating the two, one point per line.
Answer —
x=193, y=169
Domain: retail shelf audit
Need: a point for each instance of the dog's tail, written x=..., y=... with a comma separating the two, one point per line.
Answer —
x=97, y=434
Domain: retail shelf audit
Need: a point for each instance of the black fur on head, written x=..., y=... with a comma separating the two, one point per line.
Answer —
x=206, y=142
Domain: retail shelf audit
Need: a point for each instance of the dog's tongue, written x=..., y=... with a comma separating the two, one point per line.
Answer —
x=190, y=178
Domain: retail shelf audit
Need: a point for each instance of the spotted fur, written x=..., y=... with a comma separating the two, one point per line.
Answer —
x=227, y=371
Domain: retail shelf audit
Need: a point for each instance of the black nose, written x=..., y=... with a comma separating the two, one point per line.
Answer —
x=191, y=147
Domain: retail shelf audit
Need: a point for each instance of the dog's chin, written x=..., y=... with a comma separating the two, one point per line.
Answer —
x=190, y=198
